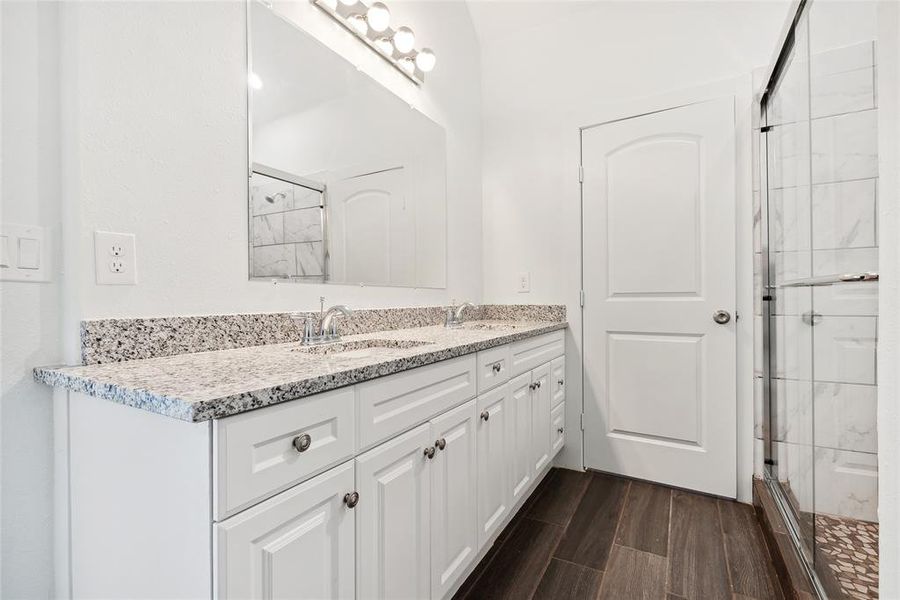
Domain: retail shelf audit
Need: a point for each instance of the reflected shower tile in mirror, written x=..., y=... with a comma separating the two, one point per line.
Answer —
x=788, y=164
x=842, y=80
x=844, y=214
x=303, y=225
x=792, y=402
x=268, y=229
x=845, y=147
x=306, y=198
x=793, y=348
x=310, y=259
x=274, y=261
x=269, y=195
x=846, y=416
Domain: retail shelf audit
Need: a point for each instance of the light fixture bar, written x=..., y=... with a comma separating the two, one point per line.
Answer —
x=352, y=16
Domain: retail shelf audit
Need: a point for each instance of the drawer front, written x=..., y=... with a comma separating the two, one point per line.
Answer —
x=493, y=368
x=557, y=429
x=390, y=405
x=533, y=352
x=256, y=455
x=558, y=381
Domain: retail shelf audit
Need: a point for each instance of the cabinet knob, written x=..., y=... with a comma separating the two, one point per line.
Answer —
x=561, y=382
x=497, y=367
x=537, y=385
x=559, y=430
x=429, y=452
x=485, y=415
x=441, y=443
x=351, y=499
x=302, y=443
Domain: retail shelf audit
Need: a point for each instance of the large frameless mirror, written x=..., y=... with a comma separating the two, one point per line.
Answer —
x=347, y=181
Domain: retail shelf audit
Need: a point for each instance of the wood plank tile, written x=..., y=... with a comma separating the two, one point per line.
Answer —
x=697, y=566
x=588, y=538
x=567, y=580
x=749, y=563
x=469, y=584
x=517, y=569
x=526, y=506
x=562, y=491
x=645, y=518
x=634, y=574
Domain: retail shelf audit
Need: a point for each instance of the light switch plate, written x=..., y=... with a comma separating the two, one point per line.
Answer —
x=24, y=253
x=524, y=282
x=115, y=260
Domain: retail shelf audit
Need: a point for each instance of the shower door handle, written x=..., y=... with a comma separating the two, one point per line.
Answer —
x=721, y=316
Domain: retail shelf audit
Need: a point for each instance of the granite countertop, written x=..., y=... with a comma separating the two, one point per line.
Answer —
x=210, y=385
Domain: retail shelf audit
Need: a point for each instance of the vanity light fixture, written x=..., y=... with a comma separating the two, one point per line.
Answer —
x=371, y=23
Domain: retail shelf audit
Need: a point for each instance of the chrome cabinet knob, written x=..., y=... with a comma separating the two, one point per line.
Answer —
x=497, y=367
x=721, y=316
x=441, y=443
x=351, y=499
x=302, y=443
x=429, y=452
x=561, y=382
x=485, y=415
x=560, y=430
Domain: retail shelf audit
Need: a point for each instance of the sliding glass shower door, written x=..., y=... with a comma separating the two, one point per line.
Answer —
x=820, y=254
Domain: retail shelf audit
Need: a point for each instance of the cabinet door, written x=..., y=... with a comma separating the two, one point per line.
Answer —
x=393, y=518
x=298, y=544
x=520, y=448
x=557, y=429
x=454, y=538
x=492, y=440
x=558, y=380
x=540, y=417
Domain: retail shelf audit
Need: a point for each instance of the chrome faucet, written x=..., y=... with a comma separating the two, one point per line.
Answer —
x=327, y=331
x=455, y=315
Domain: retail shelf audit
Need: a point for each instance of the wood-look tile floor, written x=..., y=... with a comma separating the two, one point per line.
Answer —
x=593, y=535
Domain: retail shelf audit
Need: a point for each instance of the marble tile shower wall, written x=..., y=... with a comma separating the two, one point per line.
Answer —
x=286, y=231
x=822, y=181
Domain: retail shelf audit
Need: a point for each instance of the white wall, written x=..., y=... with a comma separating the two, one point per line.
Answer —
x=29, y=312
x=570, y=65
x=156, y=142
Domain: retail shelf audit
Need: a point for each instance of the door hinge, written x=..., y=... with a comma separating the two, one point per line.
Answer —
x=580, y=174
x=582, y=421
x=765, y=129
x=581, y=297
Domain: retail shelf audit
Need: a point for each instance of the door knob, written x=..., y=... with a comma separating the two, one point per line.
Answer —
x=721, y=316
x=351, y=499
x=302, y=443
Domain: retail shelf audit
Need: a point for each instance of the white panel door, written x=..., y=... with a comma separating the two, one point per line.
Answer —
x=394, y=518
x=299, y=544
x=493, y=489
x=659, y=261
x=521, y=467
x=454, y=537
x=540, y=417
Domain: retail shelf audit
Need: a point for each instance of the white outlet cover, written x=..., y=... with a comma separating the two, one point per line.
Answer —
x=524, y=282
x=115, y=260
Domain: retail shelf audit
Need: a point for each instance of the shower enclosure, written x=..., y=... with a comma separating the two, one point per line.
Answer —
x=818, y=293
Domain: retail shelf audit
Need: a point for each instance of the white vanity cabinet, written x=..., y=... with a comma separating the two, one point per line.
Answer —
x=390, y=488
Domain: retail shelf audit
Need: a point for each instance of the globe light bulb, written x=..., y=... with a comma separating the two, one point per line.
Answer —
x=385, y=45
x=378, y=16
x=404, y=40
x=425, y=60
x=358, y=23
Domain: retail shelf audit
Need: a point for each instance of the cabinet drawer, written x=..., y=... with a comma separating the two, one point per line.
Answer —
x=557, y=381
x=557, y=429
x=493, y=368
x=255, y=452
x=390, y=405
x=533, y=352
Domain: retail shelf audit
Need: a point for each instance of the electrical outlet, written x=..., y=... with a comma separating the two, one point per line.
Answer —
x=115, y=259
x=524, y=282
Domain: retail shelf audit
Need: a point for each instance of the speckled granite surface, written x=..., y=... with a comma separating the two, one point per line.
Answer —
x=210, y=385
x=114, y=340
